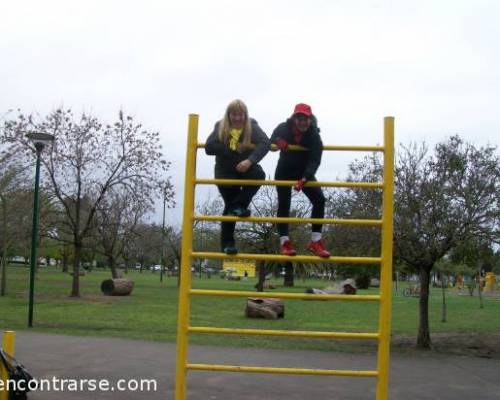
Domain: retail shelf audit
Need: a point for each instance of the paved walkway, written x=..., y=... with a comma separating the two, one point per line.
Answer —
x=413, y=376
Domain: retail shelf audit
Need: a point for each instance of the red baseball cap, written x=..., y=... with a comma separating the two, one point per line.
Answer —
x=302, y=108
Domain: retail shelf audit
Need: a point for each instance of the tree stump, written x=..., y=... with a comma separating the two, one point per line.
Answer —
x=288, y=278
x=117, y=287
x=264, y=308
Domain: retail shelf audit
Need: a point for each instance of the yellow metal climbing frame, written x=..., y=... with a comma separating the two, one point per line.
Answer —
x=8, y=344
x=385, y=260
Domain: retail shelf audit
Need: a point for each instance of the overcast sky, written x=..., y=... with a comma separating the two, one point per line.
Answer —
x=433, y=65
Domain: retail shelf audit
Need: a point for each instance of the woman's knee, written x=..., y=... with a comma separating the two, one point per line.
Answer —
x=258, y=173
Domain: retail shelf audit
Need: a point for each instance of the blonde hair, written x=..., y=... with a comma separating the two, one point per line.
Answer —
x=225, y=123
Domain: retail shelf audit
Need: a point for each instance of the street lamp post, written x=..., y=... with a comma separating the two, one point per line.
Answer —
x=40, y=140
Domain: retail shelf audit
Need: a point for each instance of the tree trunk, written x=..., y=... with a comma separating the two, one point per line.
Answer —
x=179, y=259
x=288, y=279
x=443, y=307
x=471, y=286
x=479, y=288
x=179, y=276
x=75, y=287
x=3, y=286
x=65, y=260
x=112, y=265
x=126, y=266
x=4, y=247
x=424, y=338
x=262, y=276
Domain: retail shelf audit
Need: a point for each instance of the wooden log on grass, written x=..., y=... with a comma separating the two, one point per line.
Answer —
x=117, y=287
x=264, y=308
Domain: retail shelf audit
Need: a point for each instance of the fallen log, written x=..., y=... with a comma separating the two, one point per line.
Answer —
x=117, y=287
x=264, y=308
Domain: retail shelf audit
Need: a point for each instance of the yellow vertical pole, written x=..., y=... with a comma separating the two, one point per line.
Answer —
x=8, y=342
x=185, y=269
x=386, y=271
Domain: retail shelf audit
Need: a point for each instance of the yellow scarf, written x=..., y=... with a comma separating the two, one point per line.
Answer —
x=235, y=137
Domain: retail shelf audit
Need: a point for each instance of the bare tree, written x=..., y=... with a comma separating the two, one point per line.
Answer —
x=441, y=200
x=356, y=203
x=13, y=180
x=87, y=160
x=116, y=220
x=144, y=244
x=206, y=233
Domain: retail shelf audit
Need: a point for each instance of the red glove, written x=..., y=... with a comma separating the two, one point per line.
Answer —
x=282, y=144
x=299, y=185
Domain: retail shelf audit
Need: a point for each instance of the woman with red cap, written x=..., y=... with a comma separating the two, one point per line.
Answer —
x=300, y=129
x=238, y=144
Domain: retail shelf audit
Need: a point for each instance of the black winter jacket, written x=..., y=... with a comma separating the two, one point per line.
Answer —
x=298, y=164
x=228, y=159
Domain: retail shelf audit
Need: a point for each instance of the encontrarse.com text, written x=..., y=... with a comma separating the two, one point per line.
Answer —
x=80, y=385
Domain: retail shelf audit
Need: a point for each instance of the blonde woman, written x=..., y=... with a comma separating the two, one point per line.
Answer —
x=238, y=144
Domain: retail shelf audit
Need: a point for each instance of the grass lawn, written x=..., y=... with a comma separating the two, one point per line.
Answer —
x=150, y=312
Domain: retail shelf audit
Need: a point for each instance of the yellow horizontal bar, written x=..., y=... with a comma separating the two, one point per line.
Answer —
x=278, y=257
x=270, y=370
x=354, y=148
x=278, y=220
x=328, y=147
x=273, y=332
x=284, y=295
x=253, y=182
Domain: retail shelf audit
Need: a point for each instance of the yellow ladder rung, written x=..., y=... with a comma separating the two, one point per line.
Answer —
x=294, y=147
x=353, y=148
x=278, y=257
x=273, y=370
x=255, y=182
x=276, y=332
x=283, y=295
x=279, y=220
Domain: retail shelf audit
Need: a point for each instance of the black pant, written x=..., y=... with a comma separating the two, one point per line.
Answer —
x=236, y=196
x=314, y=194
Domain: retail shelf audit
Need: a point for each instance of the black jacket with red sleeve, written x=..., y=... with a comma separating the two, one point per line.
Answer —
x=298, y=164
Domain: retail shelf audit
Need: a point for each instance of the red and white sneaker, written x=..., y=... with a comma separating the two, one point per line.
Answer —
x=287, y=249
x=318, y=248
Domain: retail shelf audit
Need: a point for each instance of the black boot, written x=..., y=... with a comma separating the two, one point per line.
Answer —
x=230, y=249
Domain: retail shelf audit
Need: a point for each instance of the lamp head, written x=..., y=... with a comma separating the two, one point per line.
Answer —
x=40, y=139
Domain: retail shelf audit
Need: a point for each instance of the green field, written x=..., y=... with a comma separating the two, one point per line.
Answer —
x=150, y=312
